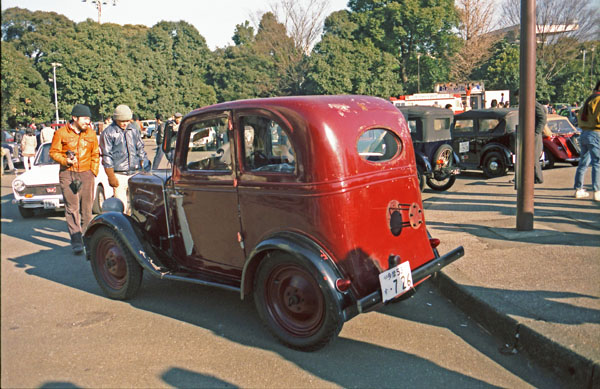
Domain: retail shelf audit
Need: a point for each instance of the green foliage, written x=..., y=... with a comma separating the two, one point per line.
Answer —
x=24, y=92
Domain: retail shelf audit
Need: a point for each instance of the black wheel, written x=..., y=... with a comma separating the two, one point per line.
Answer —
x=295, y=303
x=549, y=159
x=26, y=213
x=421, y=177
x=494, y=165
x=115, y=269
x=444, y=159
x=98, y=200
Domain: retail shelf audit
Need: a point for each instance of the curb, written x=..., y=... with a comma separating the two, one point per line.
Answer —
x=574, y=369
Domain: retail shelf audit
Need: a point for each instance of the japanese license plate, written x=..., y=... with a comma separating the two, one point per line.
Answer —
x=395, y=281
x=51, y=203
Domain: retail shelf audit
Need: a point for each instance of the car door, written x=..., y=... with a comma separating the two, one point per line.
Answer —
x=204, y=199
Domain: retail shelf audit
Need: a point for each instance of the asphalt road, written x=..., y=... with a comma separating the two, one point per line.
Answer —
x=58, y=330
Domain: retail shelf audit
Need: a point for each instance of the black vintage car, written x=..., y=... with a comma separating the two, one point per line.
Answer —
x=484, y=139
x=437, y=163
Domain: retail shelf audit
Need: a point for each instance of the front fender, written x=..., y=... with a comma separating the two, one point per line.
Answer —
x=306, y=249
x=124, y=226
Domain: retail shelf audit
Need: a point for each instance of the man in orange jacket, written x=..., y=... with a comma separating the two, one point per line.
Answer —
x=75, y=148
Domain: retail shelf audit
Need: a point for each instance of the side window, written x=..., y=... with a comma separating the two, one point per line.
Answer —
x=464, y=126
x=488, y=125
x=208, y=146
x=267, y=146
x=412, y=124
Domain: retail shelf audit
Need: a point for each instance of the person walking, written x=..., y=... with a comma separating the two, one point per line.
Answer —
x=160, y=132
x=589, y=140
x=28, y=147
x=46, y=134
x=75, y=148
x=172, y=126
x=123, y=153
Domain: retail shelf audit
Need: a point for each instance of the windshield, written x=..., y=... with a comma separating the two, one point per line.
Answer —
x=43, y=157
x=561, y=126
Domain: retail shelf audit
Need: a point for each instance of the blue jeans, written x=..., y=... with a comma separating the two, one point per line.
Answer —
x=590, y=154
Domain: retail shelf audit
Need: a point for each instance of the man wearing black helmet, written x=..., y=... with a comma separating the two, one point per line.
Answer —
x=75, y=148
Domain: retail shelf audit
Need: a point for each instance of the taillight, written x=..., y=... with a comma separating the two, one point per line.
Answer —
x=434, y=242
x=342, y=284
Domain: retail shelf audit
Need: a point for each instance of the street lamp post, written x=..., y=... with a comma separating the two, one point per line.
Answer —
x=418, y=72
x=54, y=65
x=98, y=4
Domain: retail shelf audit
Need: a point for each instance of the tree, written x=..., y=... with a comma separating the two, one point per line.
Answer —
x=404, y=28
x=562, y=25
x=339, y=65
x=25, y=94
x=474, y=27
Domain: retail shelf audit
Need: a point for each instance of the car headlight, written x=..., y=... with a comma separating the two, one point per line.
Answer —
x=18, y=185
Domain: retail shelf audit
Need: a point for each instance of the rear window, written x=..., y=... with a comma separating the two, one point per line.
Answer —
x=441, y=124
x=378, y=145
x=463, y=125
x=488, y=125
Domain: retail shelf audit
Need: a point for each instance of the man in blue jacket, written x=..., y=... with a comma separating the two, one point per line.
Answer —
x=123, y=153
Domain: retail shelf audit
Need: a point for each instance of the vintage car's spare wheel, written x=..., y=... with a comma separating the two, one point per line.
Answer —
x=115, y=269
x=494, y=165
x=297, y=307
x=441, y=181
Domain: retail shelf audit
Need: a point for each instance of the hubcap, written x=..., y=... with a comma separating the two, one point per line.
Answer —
x=111, y=263
x=294, y=300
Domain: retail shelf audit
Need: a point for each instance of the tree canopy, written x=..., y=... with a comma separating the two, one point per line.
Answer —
x=375, y=47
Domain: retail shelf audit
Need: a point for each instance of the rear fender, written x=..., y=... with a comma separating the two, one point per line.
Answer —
x=305, y=249
x=505, y=151
x=124, y=226
x=423, y=162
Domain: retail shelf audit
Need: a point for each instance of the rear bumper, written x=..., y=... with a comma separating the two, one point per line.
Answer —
x=369, y=302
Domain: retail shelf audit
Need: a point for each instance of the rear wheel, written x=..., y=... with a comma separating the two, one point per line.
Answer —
x=115, y=269
x=494, y=165
x=295, y=303
x=444, y=159
x=98, y=200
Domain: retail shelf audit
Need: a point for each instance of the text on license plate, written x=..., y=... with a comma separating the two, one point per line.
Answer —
x=51, y=203
x=395, y=281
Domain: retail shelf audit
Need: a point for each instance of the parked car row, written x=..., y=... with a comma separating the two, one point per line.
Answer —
x=479, y=139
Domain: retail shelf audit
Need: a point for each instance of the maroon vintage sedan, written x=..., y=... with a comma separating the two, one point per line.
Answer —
x=311, y=204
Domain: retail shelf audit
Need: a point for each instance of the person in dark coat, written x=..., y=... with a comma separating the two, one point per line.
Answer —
x=541, y=118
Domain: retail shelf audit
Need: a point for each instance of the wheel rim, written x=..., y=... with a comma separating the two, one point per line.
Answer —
x=111, y=263
x=294, y=300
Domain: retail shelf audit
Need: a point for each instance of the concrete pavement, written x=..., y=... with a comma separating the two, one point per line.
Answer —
x=538, y=290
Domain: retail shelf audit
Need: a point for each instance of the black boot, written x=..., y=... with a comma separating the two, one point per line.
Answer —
x=77, y=243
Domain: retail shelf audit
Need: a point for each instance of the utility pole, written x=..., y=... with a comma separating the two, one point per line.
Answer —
x=526, y=157
x=98, y=4
x=54, y=65
x=418, y=72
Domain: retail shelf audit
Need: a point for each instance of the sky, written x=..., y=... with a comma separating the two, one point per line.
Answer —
x=215, y=20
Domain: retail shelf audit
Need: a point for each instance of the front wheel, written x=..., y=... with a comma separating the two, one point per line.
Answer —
x=98, y=200
x=295, y=303
x=494, y=165
x=115, y=269
x=26, y=213
x=549, y=159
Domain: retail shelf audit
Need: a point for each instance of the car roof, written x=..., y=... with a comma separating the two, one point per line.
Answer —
x=423, y=110
x=492, y=113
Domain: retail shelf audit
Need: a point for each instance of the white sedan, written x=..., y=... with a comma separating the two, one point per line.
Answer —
x=39, y=188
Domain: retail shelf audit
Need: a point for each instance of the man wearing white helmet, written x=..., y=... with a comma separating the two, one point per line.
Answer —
x=123, y=153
